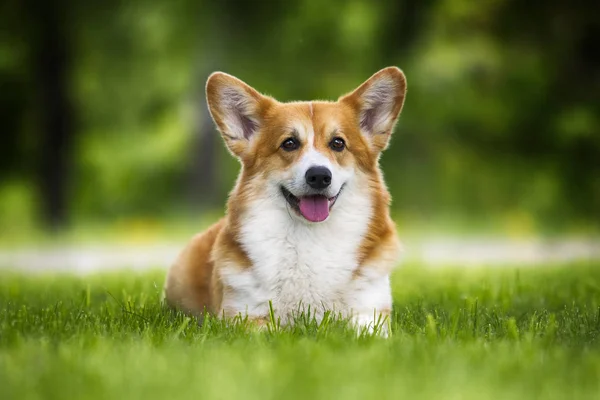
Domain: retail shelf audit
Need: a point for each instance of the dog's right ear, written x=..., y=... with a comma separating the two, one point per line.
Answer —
x=237, y=109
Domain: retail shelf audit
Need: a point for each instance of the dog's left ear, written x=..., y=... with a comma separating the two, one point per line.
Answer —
x=237, y=109
x=378, y=102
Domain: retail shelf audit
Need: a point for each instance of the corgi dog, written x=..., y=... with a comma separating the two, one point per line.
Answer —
x=307, y=225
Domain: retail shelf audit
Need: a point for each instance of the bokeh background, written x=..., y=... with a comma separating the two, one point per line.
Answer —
x=105, y=128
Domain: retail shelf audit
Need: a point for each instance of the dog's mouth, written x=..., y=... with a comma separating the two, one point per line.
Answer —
x=314, y=208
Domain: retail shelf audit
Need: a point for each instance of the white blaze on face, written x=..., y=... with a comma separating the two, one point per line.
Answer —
x=313, y=157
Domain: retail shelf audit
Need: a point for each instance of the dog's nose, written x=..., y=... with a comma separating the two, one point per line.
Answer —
x=318, y=177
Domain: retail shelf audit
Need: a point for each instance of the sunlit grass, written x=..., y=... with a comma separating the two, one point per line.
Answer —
x=484, y=334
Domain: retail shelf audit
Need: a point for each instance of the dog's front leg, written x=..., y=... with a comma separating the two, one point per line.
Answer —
x=244, y=296
x=370, y=302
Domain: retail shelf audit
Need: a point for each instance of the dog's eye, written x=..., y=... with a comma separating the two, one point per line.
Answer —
x=290, y=144
x=337, y=144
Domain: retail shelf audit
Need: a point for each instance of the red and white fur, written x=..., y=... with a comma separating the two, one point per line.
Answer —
x=285, y=239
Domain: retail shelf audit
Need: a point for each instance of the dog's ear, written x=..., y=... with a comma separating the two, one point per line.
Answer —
x=237, y=109
x=377, y=103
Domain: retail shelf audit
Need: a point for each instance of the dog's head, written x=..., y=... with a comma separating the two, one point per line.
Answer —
x=305, y=153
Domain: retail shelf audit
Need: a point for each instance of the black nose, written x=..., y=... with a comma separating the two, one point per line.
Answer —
x=318, y=177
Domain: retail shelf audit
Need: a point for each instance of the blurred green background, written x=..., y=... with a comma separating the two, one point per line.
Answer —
x=104, y=121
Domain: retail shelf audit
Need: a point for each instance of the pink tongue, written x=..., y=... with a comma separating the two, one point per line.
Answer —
x=314, y=208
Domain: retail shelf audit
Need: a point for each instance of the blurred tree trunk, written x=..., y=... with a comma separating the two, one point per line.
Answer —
x=203, y=185
x=51, y=62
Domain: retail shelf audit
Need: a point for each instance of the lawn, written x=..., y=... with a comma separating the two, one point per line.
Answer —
x=457, y=334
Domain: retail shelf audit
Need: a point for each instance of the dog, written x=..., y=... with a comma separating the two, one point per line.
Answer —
x=307, y=225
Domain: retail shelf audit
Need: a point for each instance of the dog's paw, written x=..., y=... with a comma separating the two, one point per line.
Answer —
x=372, y=325
x=259, y=324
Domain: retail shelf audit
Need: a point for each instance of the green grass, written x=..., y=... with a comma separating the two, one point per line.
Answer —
x=457, y=334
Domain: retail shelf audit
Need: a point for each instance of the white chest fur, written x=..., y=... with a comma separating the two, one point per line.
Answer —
x=296, y=264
